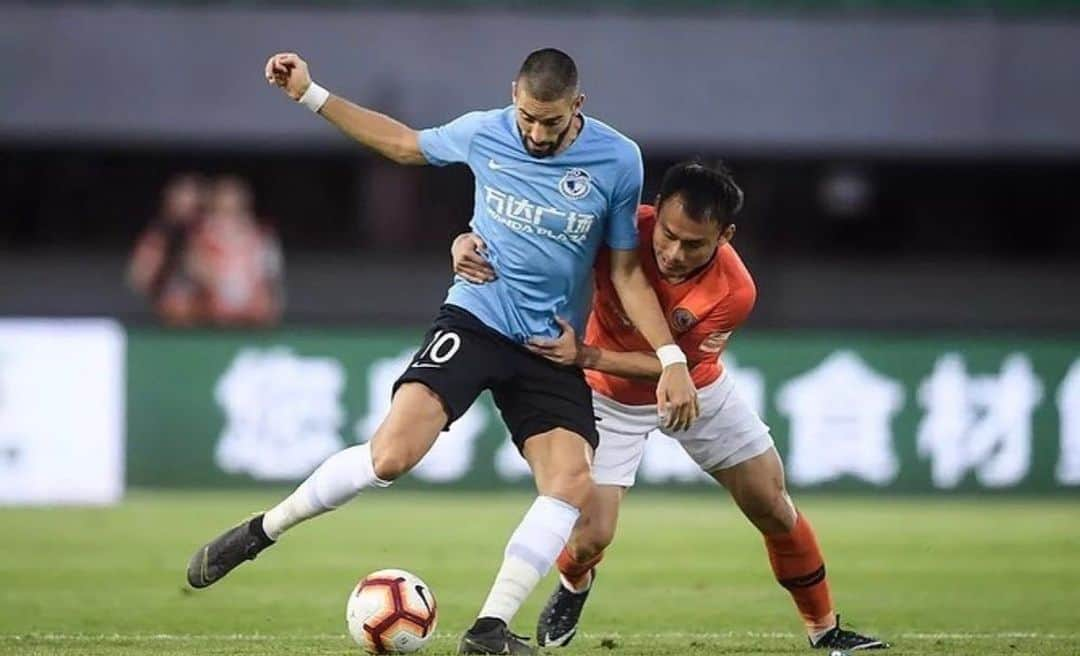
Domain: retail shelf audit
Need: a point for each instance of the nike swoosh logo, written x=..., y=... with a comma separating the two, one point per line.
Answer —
x=495, y=166
x=423, y=598
x=560, y=640
x=205, y=565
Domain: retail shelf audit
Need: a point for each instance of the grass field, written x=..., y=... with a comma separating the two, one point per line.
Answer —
x=687, y=575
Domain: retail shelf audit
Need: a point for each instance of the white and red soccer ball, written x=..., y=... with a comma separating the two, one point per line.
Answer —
x=391, y=611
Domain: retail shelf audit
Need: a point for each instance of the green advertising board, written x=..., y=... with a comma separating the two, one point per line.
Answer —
x=848, y=412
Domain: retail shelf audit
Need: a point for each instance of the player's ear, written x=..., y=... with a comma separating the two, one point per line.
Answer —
x=728, y=233
x=579, y=102
x=513, y=92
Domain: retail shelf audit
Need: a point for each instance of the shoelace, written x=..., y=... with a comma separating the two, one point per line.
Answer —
x=519, y=637
x=843, y=637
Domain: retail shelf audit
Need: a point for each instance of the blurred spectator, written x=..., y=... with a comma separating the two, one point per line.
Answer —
x=158, y=268
x=236, y=261
x=206, y=259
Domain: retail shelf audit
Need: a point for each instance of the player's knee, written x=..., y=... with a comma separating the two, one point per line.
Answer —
x=782, y=511
x=789, y=518
x=771, y=511
x=390, y=463
x=591, y=537
x=572, y=486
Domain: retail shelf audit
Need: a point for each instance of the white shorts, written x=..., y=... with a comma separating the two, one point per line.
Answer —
x=726, y=433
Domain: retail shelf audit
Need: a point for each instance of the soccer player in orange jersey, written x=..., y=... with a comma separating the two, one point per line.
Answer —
x=706, y=293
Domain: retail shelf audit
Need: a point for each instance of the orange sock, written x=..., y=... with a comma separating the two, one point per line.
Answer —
x=799, y=567
x=576, y=573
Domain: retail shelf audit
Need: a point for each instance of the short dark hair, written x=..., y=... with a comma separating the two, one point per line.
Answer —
x=708, y=193
x=549, y=75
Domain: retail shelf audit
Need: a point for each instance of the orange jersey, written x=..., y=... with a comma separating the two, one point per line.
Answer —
x=702, y=311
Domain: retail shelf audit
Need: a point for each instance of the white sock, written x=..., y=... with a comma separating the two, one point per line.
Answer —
x=341, y=477
x=578, y=590
x=817, y=634
x=529, y=555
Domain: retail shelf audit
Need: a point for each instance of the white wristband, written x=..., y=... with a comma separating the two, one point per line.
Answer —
x=670, y=354
x=315, y=97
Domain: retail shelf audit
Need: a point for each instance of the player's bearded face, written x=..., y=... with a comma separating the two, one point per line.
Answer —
x=683, y=245
x=544, y=126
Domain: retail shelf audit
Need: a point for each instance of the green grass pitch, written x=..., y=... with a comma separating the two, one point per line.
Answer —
x=687, y=575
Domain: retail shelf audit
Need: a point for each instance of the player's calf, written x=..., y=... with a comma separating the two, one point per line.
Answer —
x=595, y=528
x=592, y=535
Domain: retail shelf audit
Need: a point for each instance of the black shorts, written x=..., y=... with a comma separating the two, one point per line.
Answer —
x=462, y=357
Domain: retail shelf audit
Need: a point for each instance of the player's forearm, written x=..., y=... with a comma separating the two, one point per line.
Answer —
x=386, y=136
x=639, y=301
x=633, y=364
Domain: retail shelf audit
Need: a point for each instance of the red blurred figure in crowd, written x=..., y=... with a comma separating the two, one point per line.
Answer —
x=206, y=259
x=236, y=261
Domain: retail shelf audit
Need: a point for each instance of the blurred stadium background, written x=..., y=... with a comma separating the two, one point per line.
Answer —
x=912, y=221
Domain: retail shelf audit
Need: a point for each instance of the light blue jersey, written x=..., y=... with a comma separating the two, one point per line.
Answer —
x=543, y=219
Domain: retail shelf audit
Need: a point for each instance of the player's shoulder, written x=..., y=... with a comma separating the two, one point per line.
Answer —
x=646, y=216
x=723, y=294
x=731, y=260
x=646, y=211
x=484, y=118
x=742, y=289
x=623, y=147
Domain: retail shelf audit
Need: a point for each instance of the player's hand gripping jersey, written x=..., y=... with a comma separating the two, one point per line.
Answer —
x=702, y=310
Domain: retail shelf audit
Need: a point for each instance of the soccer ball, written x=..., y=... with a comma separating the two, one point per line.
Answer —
x=391, y=612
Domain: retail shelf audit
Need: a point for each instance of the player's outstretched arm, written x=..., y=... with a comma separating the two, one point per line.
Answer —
x=626, y=364
x=567, y=350
x=386, y=136
x=629, y=364
x=676, y=396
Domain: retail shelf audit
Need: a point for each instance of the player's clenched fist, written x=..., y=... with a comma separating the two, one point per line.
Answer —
x=288, y=71
x=676, y=397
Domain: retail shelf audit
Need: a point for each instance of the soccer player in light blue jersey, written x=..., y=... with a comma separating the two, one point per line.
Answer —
x=552, y=186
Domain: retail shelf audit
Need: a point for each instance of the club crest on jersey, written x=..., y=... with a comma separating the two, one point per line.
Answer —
x=575, y=183
x=682, y=319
